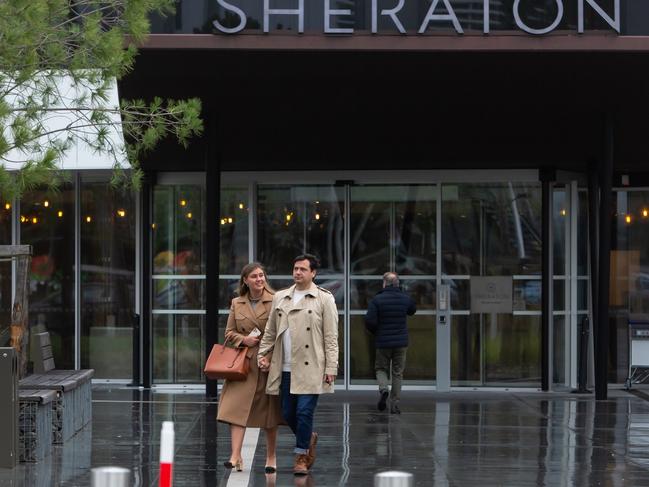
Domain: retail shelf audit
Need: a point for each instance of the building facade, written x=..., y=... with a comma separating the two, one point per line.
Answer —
x=491, y=152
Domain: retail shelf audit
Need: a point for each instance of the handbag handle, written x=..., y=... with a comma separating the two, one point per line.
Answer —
x=241, y=349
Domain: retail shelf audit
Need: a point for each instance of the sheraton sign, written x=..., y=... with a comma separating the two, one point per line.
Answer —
x=393, y=14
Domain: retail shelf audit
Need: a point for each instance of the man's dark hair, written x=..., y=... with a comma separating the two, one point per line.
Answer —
x=314, y=262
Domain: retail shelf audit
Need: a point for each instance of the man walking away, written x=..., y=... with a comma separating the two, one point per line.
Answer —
x=299, y=350
x=386, y=319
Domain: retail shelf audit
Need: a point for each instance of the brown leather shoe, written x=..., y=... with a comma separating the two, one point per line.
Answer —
x=301, y=466
x=311, y=454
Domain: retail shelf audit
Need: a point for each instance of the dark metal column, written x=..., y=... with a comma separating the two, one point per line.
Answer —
x=593, y=245
x=212, y=195
x=546, y=275
x=145, y=254
x=604, y=267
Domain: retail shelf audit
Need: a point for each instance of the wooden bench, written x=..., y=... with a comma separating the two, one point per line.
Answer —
x=35, y=424
x=72, y=407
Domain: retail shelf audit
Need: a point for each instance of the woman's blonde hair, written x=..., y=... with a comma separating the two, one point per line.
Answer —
x=245, y=272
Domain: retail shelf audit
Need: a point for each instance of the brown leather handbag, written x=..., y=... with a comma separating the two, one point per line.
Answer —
x=227, y=363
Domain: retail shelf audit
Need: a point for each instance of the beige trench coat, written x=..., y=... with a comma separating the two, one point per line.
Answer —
x=245, y=403
x=314, y=340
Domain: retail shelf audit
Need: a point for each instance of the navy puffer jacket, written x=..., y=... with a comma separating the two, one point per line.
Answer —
x=386, y=317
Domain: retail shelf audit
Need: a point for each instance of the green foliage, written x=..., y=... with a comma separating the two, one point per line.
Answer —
x=60, y=59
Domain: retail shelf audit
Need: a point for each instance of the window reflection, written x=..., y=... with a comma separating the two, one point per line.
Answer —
x=178, y=286
x=178, y=230
x=235, y=215
x=629, y=297
x=108, y=280
x=393, y=228
x=178, y=344
x=47, y=223
x=512, y=349
x=491, y=229
x=297, y=219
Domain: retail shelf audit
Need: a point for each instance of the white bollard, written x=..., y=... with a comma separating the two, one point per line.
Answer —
x=393, y=479
x=110, y=477
x=167, y=440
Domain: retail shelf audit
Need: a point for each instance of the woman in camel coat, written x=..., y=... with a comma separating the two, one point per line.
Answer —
x=245, y=403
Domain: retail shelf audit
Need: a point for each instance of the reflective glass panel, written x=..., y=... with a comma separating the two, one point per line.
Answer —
x=582, y=234
x=421, y=290
x=512, y=349
x=108, y=280
x=560, y=221
x=559, y=355
x=393, y=228
x=47, y=224
x=465, y=350
x=629, y=296
x=363, y=290
x=296, y=219
x=178, y=230
x=227, y=292
x=178, y=348
x=491, y=229
x=421, y=356
x=178, y=293
x=527, y=295
x=235, y=216
x=178, y=285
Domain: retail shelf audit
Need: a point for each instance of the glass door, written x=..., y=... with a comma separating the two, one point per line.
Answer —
x=493, y=229
x=393, y=228
x=178, y=283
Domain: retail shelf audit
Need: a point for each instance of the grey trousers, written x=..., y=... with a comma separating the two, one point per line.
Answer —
x=382, y=367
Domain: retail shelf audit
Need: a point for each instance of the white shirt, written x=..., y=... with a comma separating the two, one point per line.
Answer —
x=286, y=337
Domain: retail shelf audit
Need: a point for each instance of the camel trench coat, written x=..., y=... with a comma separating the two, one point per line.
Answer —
x=245, y=403
x=313, y=324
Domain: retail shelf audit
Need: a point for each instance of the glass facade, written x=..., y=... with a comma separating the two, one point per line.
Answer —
x=493, y=230
x=431, y=234
x=198, y=16
x=107, y=290
x=178, y=283
x=629, y=296
x=47, y=223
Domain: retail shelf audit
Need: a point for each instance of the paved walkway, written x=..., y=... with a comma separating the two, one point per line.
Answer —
x=456, y=439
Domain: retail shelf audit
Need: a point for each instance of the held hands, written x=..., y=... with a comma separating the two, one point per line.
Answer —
x=250, y=341
x=263, y=364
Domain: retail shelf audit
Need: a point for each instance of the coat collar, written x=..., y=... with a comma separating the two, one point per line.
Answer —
x=312, y=291
x=246, y=308
x=287, y=302
x=389, y=289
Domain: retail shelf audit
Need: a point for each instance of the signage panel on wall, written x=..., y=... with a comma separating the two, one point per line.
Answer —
x=416, y=17
x=491, y=294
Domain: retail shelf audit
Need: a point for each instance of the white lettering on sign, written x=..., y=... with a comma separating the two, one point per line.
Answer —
x=393, y=9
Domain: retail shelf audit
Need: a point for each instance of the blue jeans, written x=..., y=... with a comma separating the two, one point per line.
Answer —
x=298, y=410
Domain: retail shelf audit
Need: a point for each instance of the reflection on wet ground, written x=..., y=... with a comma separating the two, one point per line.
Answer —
x=456, y=439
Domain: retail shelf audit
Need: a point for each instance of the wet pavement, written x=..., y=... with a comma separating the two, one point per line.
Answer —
x=455, y=439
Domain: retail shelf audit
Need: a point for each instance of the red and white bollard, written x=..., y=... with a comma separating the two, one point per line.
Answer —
x=167, y=440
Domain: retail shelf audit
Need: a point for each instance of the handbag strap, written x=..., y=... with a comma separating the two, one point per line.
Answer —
x=241, y=349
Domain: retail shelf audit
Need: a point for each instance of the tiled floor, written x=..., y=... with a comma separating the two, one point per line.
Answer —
x=456, y=439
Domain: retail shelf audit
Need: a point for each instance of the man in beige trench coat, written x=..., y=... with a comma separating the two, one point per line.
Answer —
x=300, y=351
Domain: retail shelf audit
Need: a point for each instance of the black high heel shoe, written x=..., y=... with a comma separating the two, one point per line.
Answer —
x=270, y=469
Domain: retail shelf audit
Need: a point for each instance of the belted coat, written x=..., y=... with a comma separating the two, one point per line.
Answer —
x=245, y=403
x=313, y=324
